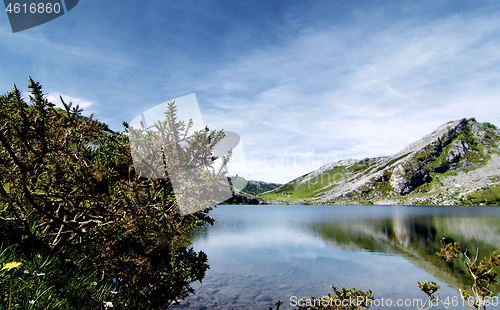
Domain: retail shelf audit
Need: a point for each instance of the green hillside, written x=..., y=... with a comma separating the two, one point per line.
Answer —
x=295, y=190
x=455, y=164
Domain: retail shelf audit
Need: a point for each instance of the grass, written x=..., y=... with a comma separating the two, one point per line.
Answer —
x=50, y=280
x=362, y=165
x=391, y=162
x=309, y=189
x=454, y=172
x=489, y=196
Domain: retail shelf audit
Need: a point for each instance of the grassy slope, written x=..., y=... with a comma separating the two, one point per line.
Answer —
x=315, y=186
x=308, y=189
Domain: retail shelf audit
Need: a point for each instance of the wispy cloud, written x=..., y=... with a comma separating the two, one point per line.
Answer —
x=302, y=83
x=359, y=92
x=55, y=99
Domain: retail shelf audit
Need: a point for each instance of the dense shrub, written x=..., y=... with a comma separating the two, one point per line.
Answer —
x=70, y=184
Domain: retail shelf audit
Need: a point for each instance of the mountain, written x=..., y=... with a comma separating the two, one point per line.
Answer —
x=458, y=163
x=252, y=187
x=257, y=187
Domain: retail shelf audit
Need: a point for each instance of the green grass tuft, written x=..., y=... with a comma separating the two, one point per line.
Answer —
x=51, y=280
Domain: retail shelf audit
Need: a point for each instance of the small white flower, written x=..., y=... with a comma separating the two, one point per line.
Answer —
x=114, y=292
x=94, y=283
x=108, y=304
x=31, y=302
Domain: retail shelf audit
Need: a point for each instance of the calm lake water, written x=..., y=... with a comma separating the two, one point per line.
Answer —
x=260, y=254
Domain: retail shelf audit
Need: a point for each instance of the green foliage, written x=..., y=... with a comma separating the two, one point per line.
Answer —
x=49, y=279
x=166, y=145
x=343, y=299
x=278, y=305
x=426, y=187
x=68, y=185
x=489, y=196
x=430, y=288
x=482, y=273
x=475, y=155
x=255, y=187
x=362, y=165
x=449, y=251
x=391, y=162
x=380, y=187
x=490, y=125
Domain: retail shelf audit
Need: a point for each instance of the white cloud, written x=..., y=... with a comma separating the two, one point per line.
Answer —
x=361, y=85
x=82, y=103
x=326, y=92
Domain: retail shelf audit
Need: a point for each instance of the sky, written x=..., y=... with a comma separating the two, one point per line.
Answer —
x=303, y=83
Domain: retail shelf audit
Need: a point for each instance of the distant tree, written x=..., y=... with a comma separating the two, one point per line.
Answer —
x=67, y=183
x=257, y=187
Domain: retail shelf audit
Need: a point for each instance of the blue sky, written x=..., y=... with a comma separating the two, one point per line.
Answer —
x=303, y=82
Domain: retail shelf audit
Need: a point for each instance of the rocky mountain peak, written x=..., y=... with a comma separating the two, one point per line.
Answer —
x=454, y=146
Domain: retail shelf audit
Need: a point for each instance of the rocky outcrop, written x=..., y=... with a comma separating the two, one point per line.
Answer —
x=327, y=167
x=457, y=151
x=404, y=180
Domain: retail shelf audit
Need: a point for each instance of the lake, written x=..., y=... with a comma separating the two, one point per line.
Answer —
x=259, y=254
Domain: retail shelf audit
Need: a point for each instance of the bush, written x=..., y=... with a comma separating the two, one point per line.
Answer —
x=71, y=186
x=483, y=274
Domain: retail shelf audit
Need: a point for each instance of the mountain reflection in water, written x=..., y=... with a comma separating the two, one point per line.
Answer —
x=418, y=239
x=261, y=253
